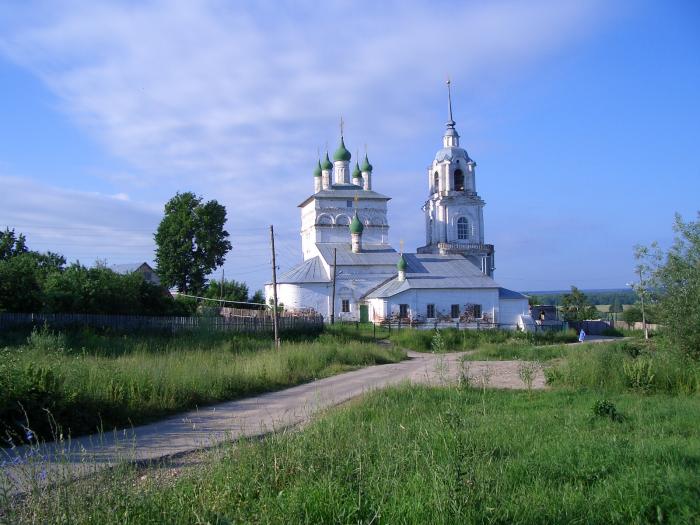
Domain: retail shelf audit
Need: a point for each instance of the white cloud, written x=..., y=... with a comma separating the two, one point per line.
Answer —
x=80, y=225
x=232, y=99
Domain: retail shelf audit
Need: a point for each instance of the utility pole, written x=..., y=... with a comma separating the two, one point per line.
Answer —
x=641, y=298
x=221, y=288
x=275, y=316
x=335, y=250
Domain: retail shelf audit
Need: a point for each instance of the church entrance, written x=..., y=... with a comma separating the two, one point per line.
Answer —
x=364, y=313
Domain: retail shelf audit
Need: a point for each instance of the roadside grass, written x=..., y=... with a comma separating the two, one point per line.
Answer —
x=423, y=455
x=90, y=381
x=639, y=366
x=461, y=340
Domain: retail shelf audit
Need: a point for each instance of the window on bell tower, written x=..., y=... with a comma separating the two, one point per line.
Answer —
x=462, y=228
x=436, y=182
x=459, y=180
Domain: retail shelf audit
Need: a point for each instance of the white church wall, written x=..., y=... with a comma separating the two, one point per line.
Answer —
x=511, y=310
x=418, y=301
x=302, y=296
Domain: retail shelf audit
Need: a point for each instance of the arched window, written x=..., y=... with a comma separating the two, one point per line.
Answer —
x=462, y=228
x=342, y=220
x=324, y=219
x=459, y=180
x=436, y=182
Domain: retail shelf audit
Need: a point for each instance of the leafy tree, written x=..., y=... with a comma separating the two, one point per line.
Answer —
x=258, y=297
x=632, y=315
x=675, y=278
x=23, y=273
x=11, y=245
x=616, y=306
x=20, y=284
x=533, y=300
x=575, y=306
x=191, y=241
x=231, y=290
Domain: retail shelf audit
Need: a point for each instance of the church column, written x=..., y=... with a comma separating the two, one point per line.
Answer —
x=341, y=163
x=366, y=173
x=326, y=169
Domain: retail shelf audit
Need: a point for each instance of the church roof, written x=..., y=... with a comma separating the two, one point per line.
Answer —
x=345, y=191
x=310, y=271
x=505, y=293
x=371, y=254
x=451, y=154
x=430, y=271
x=342, y=152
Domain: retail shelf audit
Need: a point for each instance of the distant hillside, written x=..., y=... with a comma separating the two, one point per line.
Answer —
x=604, y=296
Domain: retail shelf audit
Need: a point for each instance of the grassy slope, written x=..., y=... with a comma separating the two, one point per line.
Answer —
x=92, y=380
x=421, y=455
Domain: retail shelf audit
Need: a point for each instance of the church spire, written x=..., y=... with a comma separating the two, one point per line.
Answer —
x=450, y=122
x=451, y=137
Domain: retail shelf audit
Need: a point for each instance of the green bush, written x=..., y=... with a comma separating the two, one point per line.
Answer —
x=605, y=408
x=622, y=366
x=461, y=340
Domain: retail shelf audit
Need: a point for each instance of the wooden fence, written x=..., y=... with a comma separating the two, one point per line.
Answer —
x=173, y=324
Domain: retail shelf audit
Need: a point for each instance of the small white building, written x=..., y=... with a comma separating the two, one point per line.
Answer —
x=344, y=226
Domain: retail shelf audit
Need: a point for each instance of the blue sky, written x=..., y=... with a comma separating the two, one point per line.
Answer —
x=583, y=118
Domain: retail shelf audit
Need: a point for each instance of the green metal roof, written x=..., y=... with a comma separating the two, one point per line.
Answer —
x=366, y=166
x=401, y=265
x=356, y=172
x=342, y=152
x=356, y=225
x=326, y=164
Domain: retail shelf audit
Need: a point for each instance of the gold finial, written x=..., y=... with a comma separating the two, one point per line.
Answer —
x=342, y=126
x=401, y=246
x=357, y=199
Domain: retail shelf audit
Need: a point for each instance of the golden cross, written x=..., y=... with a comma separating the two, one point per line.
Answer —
x=401, y=245
x=342, y=124
x=357, y=199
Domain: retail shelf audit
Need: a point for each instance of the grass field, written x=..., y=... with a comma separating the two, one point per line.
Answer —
x=89, y=381
x=425, y=455
x=607, y=444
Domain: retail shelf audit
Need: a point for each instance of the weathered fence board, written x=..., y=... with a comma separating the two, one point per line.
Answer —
x=257, y=324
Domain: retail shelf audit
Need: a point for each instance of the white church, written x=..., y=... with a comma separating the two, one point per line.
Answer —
x=344, y=228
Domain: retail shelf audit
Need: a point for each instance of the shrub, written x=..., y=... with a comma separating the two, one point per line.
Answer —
x=605, y=408
x=639, y=373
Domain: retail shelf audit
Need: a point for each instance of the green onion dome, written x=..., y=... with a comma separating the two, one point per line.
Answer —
x=366, y=166
x=401, y=265
x=342, y=152
x=326, y=164
x=356, y=172
x=317, y=170
x=356, y=225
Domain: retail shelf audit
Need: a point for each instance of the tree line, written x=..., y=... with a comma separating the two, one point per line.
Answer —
x=191, y=243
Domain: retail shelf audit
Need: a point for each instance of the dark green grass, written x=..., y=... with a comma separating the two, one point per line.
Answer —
x=422, y=455
x=461, y=340
x=89, y=381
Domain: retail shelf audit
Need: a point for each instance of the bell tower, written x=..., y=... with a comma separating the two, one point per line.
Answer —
x=454, y=216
